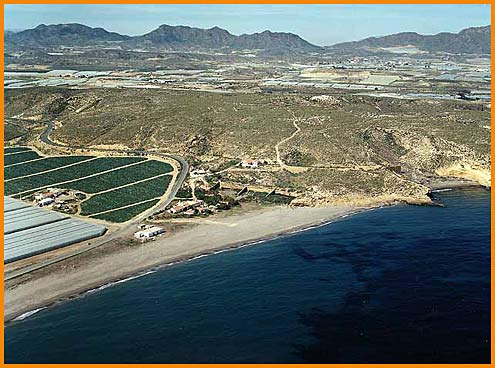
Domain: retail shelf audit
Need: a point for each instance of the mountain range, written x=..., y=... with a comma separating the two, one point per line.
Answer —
x=62, y=35
x=164, y=37
x=474, y=40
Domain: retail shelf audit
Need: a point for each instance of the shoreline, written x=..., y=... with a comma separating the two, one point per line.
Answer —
x=150, y=270
x=28, y=298
x=36, y=294
x=439, y=184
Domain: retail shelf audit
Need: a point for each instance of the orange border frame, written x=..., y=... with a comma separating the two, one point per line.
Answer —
x=364, y=365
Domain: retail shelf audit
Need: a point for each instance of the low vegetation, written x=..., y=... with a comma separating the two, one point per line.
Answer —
x=156, y=175
x=139, y=192
x=35, y=167
x=356, y=147
x=119, y=177
x=15, y=149
x=43, y=180
x=127, y=213
x=15, y=158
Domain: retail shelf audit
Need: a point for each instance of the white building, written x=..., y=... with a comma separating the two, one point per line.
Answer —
x=46, y=202
x=198, y=172
x=252, y=164
x=39, y=197
x=149, y=233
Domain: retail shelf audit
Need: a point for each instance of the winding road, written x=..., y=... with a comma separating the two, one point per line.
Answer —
x=277, y=146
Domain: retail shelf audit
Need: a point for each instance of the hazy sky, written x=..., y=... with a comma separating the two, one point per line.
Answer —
x=320, y=24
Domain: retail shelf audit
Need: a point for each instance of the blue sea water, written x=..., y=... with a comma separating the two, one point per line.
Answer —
x=400, y=284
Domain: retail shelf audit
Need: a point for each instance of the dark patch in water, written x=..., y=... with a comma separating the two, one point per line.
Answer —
x=427, y=304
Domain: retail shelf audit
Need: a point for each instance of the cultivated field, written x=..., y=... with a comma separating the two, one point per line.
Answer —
x=124, y=176
x=8, y=150
x=125, y=213
x=149, y=189
x=116, y=188
x=40, y=165
x=15, y=157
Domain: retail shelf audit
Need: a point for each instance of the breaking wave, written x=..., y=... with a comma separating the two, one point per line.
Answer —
x=28, y=314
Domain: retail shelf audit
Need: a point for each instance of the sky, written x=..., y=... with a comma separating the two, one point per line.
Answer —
x=320, y=24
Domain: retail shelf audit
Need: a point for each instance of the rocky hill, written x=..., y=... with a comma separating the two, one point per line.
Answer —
x=274, y=41
x=72, y=34
x=474, y=40
x=184, y=37
x=164, y=37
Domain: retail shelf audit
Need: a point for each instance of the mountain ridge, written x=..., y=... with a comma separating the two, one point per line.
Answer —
x=475, y=40
x=62, y=34
x=468, y=40
x=165, y=36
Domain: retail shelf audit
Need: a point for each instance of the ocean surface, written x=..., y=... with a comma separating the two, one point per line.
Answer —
x=400, y=284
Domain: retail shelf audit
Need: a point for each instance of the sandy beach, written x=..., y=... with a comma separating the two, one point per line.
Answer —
x=208, y=237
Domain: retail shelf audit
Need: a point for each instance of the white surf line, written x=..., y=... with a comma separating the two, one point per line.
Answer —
x=124, y=207
x=50, y=170
x=28, y=314
x=25, y=162
x=72, y=180
x=129, y=184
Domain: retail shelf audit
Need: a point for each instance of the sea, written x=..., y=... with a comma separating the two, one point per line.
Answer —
x=400, y=284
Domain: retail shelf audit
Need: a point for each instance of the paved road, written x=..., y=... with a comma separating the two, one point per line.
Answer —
x=129, y=227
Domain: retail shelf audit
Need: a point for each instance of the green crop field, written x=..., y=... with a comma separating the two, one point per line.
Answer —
x=15, y=149
x=14, y=158
x=124, y=176
x=150, y=189
x=70, y=172
x=126, y=214
x=35, y=167
x=41, y=180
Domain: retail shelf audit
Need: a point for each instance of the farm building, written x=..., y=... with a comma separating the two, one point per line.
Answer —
x=149, y=233
x=32, y=230
x=196, y=173
x=251, y=163
x=184, y=206
x=45, y=202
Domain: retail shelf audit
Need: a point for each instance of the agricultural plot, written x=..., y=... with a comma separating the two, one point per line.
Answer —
x=43, y=180
x=120, y=187
x=119, y=177
x=126, y=213
x=7, y=150
x=35, y=167
x=16, y=157
x=136, y=193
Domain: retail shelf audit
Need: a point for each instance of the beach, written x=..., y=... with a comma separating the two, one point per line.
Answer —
x=190, y=240
x=211, y=236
